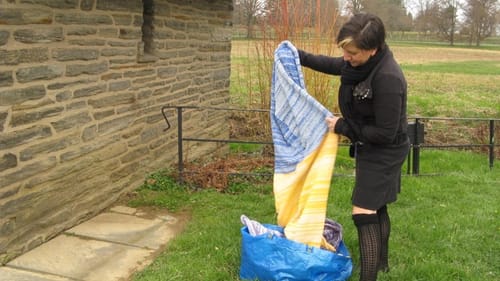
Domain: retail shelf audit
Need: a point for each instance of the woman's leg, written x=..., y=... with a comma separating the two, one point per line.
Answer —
x=368, y=227
x=385, y=231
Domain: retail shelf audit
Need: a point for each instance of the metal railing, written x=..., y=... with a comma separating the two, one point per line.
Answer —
x=181, y=138
x=416, y=132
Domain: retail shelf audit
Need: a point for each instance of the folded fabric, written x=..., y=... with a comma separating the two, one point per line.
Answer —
x=297, y=119
x=256, y=228
x=304, y=152
x=333, y=232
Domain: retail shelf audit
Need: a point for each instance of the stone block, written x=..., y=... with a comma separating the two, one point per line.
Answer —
x=119, y=85
x=8, y=161
x=57, y=86
x=119, y=5
x=114, y=125
x=60, y=4
x=87, y=42
x=8, y=192
x=129, y=44
x=109, y=52
x=89, y=133
x=79, y=69
x=75, y=54
x=108, y=32
x=3, y=118
x=139, y=73
x=111, y=101
x=44, y=72
x=87, y=5
x=169, y=71
x=6, y=78
x=162, y=9
x=122, y=19
x=48, y=146
x=81, y=104
x=71, y=121
x=176, y=24
x=13, y=57
x=18, y=96
x=63, y=96
x=4, y=37
x=24, y=173
x=26, y=117
x=81, y=30
x=19, y=16
x=130, y=33
x=99, y=115
x=19, y=137
x=83, y=18
x=134, y=155
x=39, y=35
x=90, y=91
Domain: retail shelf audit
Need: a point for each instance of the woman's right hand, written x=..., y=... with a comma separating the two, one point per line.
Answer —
x=331, y=122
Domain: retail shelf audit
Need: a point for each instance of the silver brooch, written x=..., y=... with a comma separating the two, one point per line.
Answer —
x=362, y=91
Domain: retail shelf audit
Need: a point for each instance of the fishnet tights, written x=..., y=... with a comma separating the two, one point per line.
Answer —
x=385, y=231
x=369, y=245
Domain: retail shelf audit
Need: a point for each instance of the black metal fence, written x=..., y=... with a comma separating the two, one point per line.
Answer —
x=419, y=130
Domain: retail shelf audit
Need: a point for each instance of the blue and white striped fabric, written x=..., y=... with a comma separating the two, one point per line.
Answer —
x=297, y=119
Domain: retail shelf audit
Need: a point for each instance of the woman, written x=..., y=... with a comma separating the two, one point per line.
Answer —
x=372, y=100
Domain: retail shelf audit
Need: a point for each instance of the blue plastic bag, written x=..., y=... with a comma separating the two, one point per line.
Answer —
x=269, y=257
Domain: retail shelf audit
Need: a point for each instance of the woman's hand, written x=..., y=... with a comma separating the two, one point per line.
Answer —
x=330, y=122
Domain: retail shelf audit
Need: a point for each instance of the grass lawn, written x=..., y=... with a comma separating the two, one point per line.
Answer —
x=444, y=227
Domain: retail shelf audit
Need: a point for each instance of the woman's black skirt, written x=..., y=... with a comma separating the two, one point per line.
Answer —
x=378, y=174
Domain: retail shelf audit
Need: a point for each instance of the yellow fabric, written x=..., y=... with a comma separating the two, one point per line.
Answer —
x=301, y=196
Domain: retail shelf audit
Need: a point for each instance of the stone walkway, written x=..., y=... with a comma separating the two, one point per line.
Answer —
x=109, y=247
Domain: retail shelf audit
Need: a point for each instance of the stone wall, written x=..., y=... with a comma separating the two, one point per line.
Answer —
x=82, y=83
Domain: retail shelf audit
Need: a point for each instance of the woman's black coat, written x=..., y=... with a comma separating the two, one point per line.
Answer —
x=374, y=119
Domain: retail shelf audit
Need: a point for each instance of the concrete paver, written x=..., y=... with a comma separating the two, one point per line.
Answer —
x=126, y=229
x=108, y=247
x=8, y=273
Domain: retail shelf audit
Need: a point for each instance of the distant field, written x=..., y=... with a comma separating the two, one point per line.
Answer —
x=442, y=80
x=404, y=52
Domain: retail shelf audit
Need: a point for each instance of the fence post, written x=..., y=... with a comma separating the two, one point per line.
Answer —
x=416, y=148
x=492, y=143
x=180, y=164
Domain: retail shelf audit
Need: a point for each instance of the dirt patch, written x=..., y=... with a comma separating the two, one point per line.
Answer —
x=218, y=173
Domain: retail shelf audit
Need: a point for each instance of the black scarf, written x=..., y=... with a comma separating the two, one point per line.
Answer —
x=353, y=75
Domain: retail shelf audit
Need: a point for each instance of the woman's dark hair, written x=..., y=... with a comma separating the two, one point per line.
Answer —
x=365, y=30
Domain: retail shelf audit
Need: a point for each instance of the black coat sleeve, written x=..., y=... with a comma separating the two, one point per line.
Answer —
x=348, y=128
x=321, y=63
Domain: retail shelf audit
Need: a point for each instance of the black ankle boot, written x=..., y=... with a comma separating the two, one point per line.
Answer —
x=385, y=231
x=369, y=245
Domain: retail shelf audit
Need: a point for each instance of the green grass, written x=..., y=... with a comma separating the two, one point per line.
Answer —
x=245, y=147
x=444, y=227
x=492, y=45
x=465, y=67
x=454, y=89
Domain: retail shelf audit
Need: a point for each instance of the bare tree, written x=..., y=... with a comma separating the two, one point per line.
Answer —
x=480, y=19
x=392, y=12
x=325, y=13
x=426, y=11
x=354, y=6
x=446, y=20
x=247, y=12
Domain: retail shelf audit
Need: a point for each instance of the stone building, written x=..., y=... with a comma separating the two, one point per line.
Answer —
x=82, y=83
